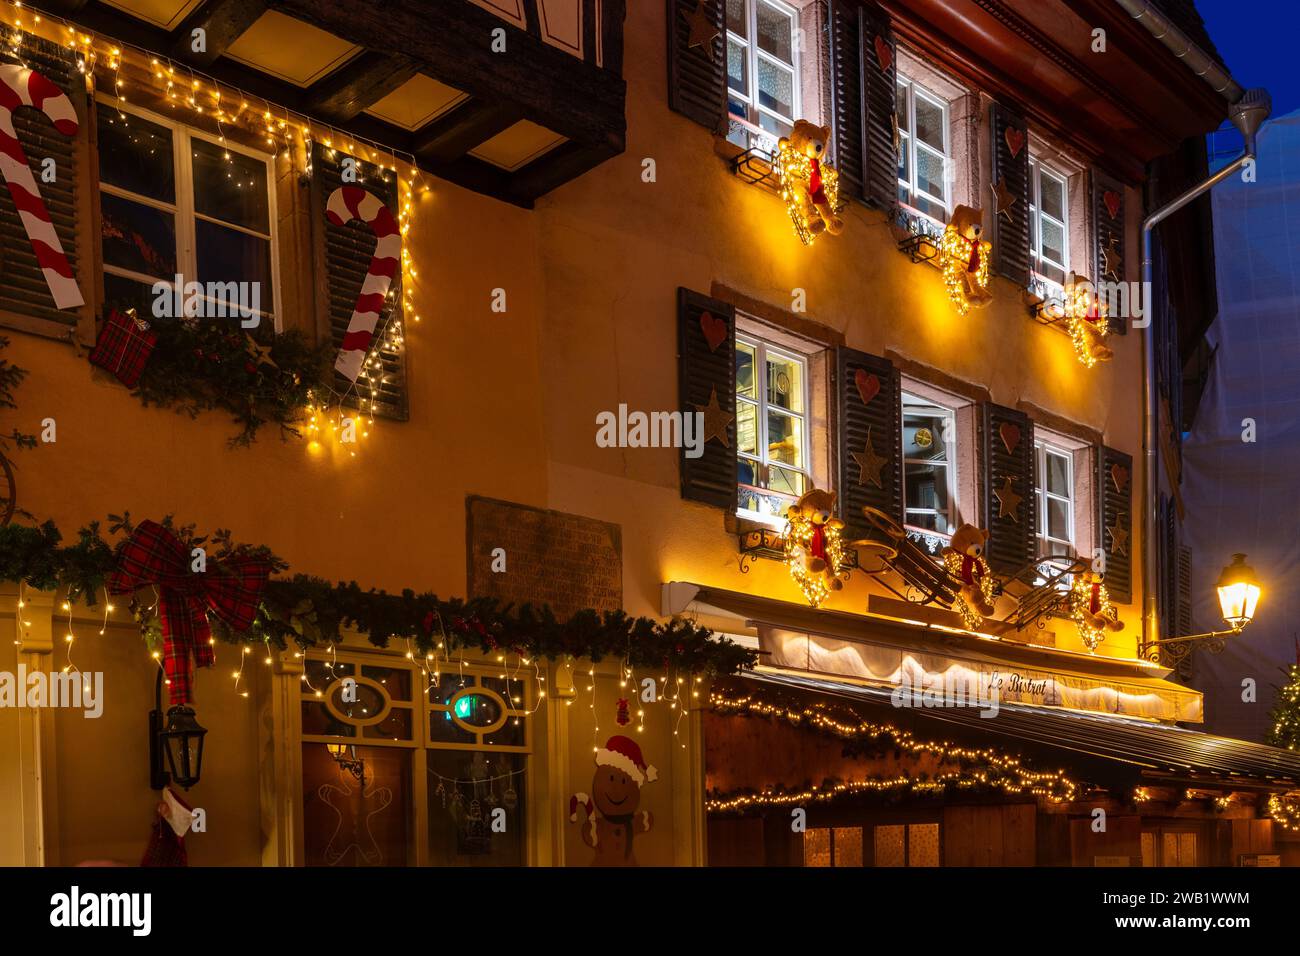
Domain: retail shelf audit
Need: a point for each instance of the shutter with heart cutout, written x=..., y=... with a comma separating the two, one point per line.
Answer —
x=1010, y=189
x=697, y=86
x=706, y=382
x=1115, y=507
x=1010, y=507
x=1108, y=236
x=870, y=447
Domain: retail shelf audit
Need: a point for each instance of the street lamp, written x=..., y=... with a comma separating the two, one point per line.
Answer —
x=1239, y=592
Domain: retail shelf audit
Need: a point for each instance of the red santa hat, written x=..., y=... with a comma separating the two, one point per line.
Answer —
x=623, y=753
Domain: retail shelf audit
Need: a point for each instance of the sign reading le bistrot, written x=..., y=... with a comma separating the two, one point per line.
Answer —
x=529, y=555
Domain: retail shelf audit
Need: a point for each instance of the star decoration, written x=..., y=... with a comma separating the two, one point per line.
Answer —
x=1118, y=538
x=1114, y=261
x=716, y=420
x=1003, y=199
x=262, y=354
x=1008, y=501
x=869, y=464
x=703, y=30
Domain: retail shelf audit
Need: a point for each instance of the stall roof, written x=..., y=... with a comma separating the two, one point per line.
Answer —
x=1114, y=746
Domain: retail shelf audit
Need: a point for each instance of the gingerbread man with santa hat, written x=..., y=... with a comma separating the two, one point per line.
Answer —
x=609, y=815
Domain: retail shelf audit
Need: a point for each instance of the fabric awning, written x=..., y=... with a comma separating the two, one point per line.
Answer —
x=1110, y=746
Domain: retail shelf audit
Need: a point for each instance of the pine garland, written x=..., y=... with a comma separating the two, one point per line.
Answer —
x=308, y=611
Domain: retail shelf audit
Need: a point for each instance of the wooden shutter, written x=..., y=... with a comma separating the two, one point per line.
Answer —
x=870, y=447
x=1012, y=516
x=23, y=289
x=847, y=108
x=1183, y=606
x=697, y=83
x=1115, y=505
x=1108, y=219
x=1010, y=168
x=879, y=94
x=343, y=259
x=706, y=371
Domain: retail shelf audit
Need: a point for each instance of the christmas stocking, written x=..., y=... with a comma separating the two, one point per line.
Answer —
x=167, y=842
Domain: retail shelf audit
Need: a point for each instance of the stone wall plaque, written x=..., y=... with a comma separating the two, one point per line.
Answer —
x=564, y=560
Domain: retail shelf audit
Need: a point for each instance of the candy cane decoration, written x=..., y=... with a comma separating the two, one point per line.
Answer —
x=20, y=86
x=345, y=204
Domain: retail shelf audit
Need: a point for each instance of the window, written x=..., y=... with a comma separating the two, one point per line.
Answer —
x=1168, y=848
x=1049, y=234
x=929, y=479
x=912, y=844
x=923, y=150
x=174, y=202
x=771, y=429
x=449, y=749
x=833, y=846
x=1054, y=494
x=763, y=64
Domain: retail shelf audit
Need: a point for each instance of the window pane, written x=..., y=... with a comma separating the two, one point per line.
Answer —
x=929, y=123
x=1052, y=196
x=1041, y=512
x=232, y=190
x=760, y=503
x=817, y=847
x=923, y=844
x=785, y=383
x=225, y=255
x=904, y=120
x=745, y=370
x=747, y=428
x=737, y=22
x=465, y=788
x=903, y=173
x=1058, y=519
x=746, y=473
x=121, y=293
x=784, y=439
x=1053, y=242
x=396, y=680
x=923, y=437
x=929, y=172
x=774, y=32
x=138, y=237
x=1058, y=474
x=346, y=824
x=737, y=71
x=927, y=487
x=784, y=480
x=776, y=127
x=889, y=846
x=776, y=88
x=848, y=846
x=136, y=155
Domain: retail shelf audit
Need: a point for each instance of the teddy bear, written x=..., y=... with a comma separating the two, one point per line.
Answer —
x=812, y=202
x=609, y=815
x=1095, y=608
x=964, y=559
x=1088, y=327
x=817, y=509
x=966, y=259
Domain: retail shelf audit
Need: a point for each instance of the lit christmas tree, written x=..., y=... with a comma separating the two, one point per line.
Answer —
x=1286, y=712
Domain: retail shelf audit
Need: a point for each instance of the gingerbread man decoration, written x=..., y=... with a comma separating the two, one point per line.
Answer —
x=609, y=816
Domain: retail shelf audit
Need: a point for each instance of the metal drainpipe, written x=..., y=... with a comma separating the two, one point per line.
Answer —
x=1248, y=110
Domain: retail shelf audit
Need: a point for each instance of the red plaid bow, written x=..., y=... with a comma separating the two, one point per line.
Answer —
x=231, y=590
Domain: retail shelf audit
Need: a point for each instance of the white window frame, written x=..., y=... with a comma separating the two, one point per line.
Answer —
x=1045, y=543
x=761, y=351
x=910, y=89
x=1036, y=216
x=920, y=405
x=182, y=210
x=752, y=57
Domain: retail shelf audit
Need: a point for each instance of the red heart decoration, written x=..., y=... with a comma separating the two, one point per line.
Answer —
x=1111, y=199
x=1015, y=140
x=1010, y=433
x=714, y=329
x=884, y=55
x=868, y=385
x=1119, y=475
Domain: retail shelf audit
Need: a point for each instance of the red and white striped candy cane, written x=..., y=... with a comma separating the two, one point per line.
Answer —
x=20, y=86
x=345, y=204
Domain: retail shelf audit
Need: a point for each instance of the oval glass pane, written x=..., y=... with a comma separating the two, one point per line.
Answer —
x=478, y=709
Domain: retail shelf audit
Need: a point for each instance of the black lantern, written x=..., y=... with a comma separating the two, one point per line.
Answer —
x=180, y=742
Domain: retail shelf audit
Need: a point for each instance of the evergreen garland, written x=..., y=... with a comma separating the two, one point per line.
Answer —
x=308, y=611
x=1285, y=714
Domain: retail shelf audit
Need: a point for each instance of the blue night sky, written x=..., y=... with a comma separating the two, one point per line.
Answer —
x=1257, y=40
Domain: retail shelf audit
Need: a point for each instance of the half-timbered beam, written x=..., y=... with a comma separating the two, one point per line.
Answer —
x=454, y=134
x=222, y=23
x=566, y=162
x=358, y=84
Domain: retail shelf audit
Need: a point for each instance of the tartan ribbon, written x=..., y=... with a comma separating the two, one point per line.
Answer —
x=230, y=589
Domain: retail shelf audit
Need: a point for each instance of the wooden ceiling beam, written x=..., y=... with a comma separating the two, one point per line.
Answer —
x=454, y=134
x=563, y=164
x=222, y=23
x=359, y=84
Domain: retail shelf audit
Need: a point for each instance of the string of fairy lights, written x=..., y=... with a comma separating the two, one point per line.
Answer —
x=995, y=770
x=115, y=69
